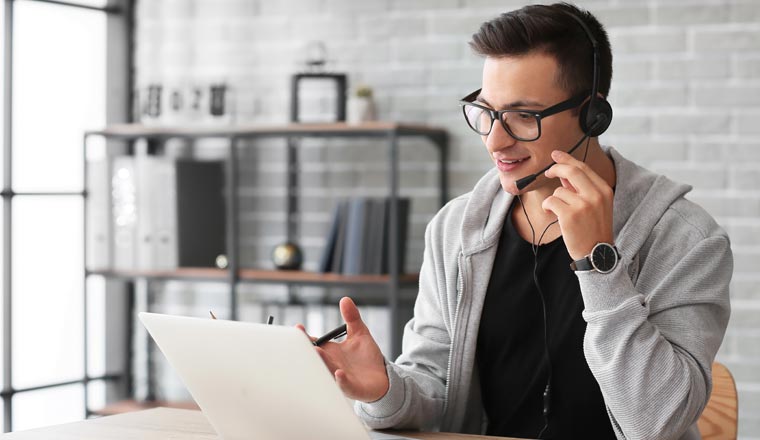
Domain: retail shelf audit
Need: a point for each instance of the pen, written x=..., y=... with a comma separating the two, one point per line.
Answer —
x=332, y=334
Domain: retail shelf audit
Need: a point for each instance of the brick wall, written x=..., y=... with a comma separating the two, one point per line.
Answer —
x=686, y=93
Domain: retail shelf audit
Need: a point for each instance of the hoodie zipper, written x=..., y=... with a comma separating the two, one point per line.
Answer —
x=460, y=290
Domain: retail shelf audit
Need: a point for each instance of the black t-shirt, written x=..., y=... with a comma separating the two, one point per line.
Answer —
x=510, y=351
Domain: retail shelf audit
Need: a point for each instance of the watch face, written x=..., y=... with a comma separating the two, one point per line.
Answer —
x=604, y=257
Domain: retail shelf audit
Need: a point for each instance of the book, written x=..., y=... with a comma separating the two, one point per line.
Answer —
x=98, y=216
x=340, y=239
x=325, y=261
x=355, y=236
x=124, y=212
x=402, y=217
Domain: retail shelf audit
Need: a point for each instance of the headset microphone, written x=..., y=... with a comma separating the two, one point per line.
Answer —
x=527, y=180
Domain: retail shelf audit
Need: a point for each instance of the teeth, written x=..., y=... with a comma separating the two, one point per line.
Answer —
x=511, y=161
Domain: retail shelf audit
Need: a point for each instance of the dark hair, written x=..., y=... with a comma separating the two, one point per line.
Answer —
x=551, y=30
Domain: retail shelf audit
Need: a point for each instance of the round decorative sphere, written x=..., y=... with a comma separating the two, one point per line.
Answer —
x=287, y=256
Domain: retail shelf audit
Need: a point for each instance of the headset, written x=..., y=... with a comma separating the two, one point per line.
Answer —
x=595, y=115
x=594, y=119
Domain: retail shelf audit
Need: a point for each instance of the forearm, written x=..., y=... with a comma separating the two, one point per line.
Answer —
x=413, y=401
x=653, y=362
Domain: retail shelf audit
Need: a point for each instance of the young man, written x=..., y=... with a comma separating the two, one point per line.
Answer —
x=507, y=339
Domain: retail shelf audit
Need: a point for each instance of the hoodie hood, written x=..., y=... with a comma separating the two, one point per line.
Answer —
x=641, y=198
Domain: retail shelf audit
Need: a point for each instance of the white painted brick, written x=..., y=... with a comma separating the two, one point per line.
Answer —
x=730, y=153
x=698, y=175
x=745, y=288
x=642, y=149
x=630, y=70
x=392, y=77
x=728, y=204
x=745, y=233
x=613, y=16
x=747, y=66
x=745, y=318
x=692, y=124
x=748, y=122
x=718, y=66
x=227, y=8
x=353, y=6
x=496, y=5
x=647, y=40
x=707, y=40
x=629, y=124
x=746, y=261
x=746, y=177
x=323, y=27
x=362, y=53
x=423, y=4
x=455, y=23
x=730, y=95
x=450, y=75
x=745, y=11
x=382, y=27
x=689, y=14
x=269, y=8
x=416, y=51
x=650, y=96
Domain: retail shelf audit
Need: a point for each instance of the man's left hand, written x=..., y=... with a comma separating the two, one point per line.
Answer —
x=583, y=205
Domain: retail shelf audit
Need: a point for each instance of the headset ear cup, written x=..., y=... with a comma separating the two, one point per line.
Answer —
x=602, y=113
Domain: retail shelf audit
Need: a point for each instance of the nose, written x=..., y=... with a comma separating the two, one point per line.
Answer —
x=498, y=138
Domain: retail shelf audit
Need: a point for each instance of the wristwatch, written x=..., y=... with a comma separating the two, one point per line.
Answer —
x=603, y=258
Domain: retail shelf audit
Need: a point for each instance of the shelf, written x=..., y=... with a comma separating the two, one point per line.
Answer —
x=126, y=406
x=376, y=128
x=262, y=276
x=185, y=273
x=303, y=277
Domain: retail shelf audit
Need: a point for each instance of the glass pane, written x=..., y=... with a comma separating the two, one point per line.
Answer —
x=96, y=394
x=47, y=284
x=51, y=406
x=96, y=326
x=58, y=92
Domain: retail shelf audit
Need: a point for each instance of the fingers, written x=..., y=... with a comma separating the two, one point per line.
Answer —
x=303, y=329
x=342, y=380
x=327, y=359
x=555, y=205
x=563, y=158
x=354, y=324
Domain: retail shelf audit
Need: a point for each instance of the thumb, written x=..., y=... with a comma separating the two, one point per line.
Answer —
x=354, y=324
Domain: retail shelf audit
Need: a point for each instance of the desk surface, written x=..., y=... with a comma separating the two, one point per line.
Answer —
x=162, y=423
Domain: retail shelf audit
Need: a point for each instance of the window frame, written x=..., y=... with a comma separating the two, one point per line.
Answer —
x=119, y=76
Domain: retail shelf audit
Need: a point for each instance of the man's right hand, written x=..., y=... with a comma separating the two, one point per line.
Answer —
x=357, y=362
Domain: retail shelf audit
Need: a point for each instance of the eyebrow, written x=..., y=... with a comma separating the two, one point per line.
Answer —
x=514, y=104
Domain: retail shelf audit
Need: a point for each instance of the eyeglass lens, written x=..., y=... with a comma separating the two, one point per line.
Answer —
x=521, y=125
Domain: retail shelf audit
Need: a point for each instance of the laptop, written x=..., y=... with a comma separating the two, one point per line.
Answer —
x=257, y=380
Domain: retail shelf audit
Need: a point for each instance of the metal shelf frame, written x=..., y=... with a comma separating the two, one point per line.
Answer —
x=234, y=275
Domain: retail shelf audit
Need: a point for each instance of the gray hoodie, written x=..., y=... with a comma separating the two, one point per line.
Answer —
x=654, y=324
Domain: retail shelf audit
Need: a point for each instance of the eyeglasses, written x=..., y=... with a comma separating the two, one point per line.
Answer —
x=523, y=125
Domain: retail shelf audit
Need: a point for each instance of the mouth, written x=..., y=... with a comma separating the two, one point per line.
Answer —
x=510, y=164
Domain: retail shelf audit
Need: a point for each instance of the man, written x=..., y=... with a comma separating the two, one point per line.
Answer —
x=507, y=339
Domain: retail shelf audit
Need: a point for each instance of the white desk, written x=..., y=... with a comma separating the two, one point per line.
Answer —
x=162, y=424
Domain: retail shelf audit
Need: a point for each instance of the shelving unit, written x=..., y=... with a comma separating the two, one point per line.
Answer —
x=234, y=274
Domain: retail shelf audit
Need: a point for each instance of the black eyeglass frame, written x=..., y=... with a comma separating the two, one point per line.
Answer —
x=567, y=104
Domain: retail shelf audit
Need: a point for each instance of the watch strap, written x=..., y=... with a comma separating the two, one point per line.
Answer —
x=583, y=264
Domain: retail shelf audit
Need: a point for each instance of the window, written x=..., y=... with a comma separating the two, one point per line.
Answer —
x=56, y=90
